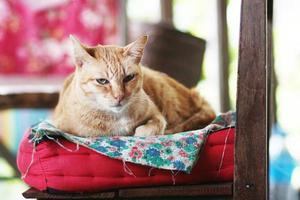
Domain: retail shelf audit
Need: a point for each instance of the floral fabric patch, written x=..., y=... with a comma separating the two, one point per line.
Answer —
x=173, y=152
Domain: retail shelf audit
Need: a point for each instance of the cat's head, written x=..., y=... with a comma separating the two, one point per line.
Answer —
x=109, y=76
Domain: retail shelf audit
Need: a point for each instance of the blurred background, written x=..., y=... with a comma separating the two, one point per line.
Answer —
x=195, y=41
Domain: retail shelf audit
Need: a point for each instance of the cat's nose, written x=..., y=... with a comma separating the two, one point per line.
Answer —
x=119, y=97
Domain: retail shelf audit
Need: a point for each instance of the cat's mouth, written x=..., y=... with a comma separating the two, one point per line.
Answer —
x=119, y=105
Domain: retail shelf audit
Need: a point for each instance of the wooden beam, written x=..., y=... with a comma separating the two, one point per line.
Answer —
x=223, y=55
x=206, y=191
x=28, y=100
x=166, y=10
x=34, y=193
x=251, y=155
x=220, y=189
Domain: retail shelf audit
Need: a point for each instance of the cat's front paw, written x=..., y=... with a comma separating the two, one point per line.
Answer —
x=145, y=130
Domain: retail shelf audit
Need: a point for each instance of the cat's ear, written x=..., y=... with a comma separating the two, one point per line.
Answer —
x=81, y=52
x=135, y=49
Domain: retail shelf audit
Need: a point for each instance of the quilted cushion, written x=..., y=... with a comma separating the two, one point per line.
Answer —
x=54, y=167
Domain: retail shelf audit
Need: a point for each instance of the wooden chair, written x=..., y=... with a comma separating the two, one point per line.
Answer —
x=22, y=100
x=178, y=54
x=251, y=143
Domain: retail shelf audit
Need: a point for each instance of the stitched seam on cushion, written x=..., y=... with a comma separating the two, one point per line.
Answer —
x=70, y=155
x=223, y=153
x=43, y=171
x=220, y=142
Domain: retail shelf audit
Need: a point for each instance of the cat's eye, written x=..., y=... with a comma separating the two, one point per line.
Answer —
x=128, y=78
x=102, y=81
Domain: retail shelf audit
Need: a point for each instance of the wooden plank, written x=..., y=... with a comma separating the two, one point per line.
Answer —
x=251, y=174
x=28, y=100
x=222, y=189
x=206, y=191
x=223, y=55
x=34, y=193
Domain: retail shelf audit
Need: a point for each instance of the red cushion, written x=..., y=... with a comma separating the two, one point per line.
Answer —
x=86, y=170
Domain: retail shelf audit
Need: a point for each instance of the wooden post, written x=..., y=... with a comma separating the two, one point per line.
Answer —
x=166, y=10
x=273, y=83
x=251, y=155
x=123, y=22
x=223, y=55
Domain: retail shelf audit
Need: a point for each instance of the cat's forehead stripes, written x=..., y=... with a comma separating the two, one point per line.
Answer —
x=112, y=58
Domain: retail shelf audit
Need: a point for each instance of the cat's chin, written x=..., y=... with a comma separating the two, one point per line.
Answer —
x=117, y=109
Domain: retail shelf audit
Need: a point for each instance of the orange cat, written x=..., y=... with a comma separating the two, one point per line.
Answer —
x=110, y=93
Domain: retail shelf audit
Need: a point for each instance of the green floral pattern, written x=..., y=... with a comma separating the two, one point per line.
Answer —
x=173, y=152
